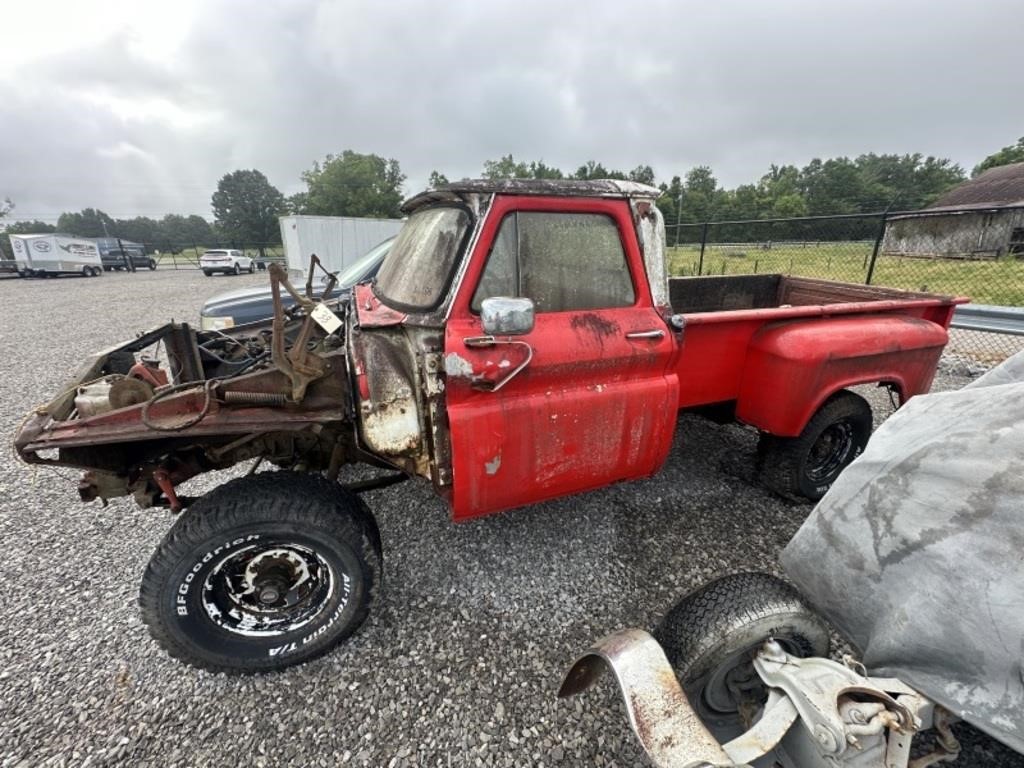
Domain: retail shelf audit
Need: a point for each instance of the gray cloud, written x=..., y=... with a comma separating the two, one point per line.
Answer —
x=446, y=86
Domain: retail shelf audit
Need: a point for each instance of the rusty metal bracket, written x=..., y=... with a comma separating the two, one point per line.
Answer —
x=299, y=364
x=661, y=716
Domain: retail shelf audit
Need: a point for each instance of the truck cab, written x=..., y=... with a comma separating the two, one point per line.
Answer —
x=582, y=393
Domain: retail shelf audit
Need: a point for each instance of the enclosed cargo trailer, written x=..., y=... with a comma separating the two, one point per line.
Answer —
x=53, y=255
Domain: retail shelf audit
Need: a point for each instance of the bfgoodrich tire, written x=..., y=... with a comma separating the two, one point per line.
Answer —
x=264, y=572
x=807, y=466
x=712, y=635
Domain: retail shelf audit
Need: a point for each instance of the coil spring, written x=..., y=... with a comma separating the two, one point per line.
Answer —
x=254, y=398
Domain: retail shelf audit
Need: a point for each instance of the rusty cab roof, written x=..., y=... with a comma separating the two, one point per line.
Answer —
x=552, y=187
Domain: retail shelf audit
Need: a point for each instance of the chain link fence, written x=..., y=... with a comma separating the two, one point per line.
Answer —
x=186, y=255
x=973, y=252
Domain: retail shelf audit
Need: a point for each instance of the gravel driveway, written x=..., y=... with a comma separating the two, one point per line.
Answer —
x=459, y=663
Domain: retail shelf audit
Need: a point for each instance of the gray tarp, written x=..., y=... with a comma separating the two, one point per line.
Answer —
x=917, y=552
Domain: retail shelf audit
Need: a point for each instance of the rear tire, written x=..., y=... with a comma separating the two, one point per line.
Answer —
x=252, y=267
x=238, y=268
x=151, y=264
x=264, y=572
x=712, y=635
x=806, y=466
x=208, y=273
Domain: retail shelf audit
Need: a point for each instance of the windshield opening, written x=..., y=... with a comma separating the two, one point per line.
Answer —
x=422, y=258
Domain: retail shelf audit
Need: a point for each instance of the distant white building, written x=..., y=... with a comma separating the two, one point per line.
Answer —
x=336, y=240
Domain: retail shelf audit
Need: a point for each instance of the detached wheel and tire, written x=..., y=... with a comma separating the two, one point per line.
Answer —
x=713, y=634
x=807, y=466
x=262, y=573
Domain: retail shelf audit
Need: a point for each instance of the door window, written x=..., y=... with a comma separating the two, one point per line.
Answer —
x=562, y=261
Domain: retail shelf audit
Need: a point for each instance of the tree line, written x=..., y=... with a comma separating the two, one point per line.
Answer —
x=246, y=205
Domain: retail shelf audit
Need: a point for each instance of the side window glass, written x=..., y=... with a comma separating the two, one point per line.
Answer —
x=499, y=277
x=562, y=261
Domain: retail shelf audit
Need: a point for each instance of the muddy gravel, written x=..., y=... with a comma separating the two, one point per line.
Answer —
x=457, y=666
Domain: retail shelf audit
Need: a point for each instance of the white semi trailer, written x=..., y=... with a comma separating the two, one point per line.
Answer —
x=52, y=255
x=336, y=240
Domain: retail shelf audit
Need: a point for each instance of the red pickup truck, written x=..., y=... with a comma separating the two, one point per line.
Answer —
x=521, y=342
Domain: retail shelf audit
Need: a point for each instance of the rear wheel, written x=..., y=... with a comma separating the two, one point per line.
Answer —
x=807, y=466
x=238, y=268
x=208, y=273
x=252, y=267
x=264, y=572
x=151, y=264
x=713, y=634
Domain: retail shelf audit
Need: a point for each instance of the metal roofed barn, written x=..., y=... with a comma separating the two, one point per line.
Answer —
x=980, y=219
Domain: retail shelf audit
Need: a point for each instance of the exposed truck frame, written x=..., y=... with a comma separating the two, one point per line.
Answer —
x=506, y=368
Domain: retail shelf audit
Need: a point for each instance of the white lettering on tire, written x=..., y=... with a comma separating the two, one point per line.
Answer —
x=346, y=590
x=179, y=602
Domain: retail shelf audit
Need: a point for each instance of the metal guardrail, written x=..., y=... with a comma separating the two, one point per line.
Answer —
x=989, y=319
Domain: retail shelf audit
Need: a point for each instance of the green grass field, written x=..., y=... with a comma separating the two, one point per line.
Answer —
x=998, y=281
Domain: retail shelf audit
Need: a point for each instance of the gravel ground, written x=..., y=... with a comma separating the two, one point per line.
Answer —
x=458, y=664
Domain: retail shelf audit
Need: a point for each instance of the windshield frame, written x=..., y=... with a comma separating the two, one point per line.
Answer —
x=445, y=284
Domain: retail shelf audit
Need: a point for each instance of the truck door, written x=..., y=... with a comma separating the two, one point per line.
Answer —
x=589, y=396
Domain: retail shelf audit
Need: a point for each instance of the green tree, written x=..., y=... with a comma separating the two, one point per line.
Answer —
x=354, y=184
x=90, y=222
x=699, y=194
x=668, y=204
x=643, y=174
x=246, y=207
x=1005, y=156
x=20, y=228
x=505, y=168
x=297, y=203
x=6, y=207
x=141, y=229
x=594, y=170
x=437, y=179
x=539, y=170
x=33, y=227
x=508, y=168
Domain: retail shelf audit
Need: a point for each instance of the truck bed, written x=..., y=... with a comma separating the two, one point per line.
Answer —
x=727, y=318
x=696, y=295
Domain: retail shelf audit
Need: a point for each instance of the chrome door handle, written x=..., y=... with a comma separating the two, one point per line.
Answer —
x=657, y=333
x=478, y=342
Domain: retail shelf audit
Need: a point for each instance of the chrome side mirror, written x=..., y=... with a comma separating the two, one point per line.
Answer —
x=504, y=316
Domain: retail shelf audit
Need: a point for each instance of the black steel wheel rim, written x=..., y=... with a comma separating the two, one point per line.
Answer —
x=831, y=451
x=268, y=589
x=735, y=683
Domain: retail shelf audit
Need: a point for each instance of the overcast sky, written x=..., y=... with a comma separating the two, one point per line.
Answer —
x=139, y=108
